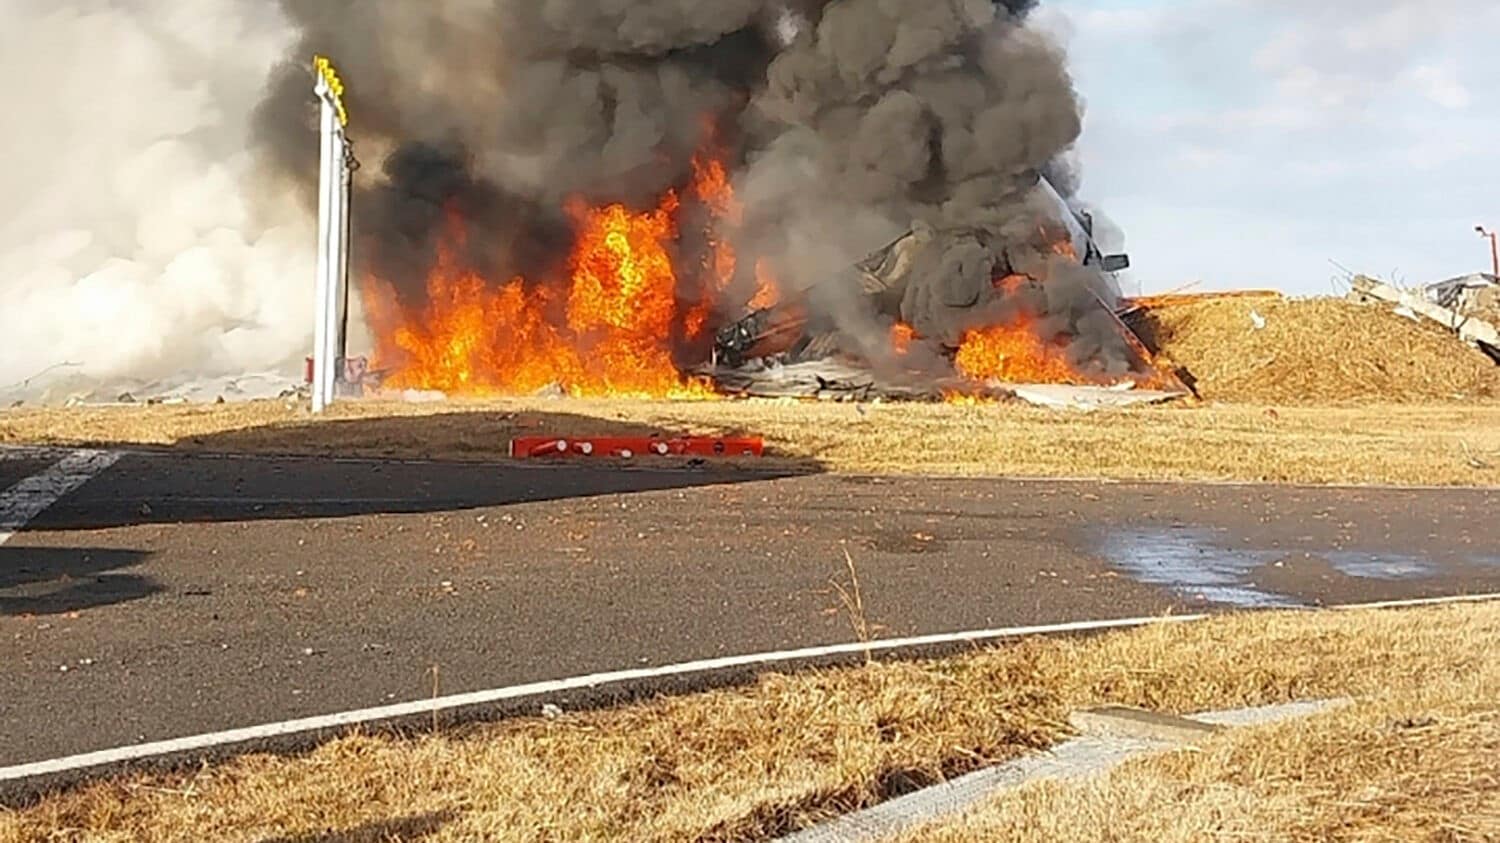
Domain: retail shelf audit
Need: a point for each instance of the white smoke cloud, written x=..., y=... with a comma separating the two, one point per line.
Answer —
x=134, y=240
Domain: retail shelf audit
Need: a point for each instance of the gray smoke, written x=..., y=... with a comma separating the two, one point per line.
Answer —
x=845, y=122
x=881, y=112
x=137, y=241
x=502, y=110
x=146, y=239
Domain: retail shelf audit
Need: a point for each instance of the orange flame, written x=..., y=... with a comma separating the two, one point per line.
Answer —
x=453, y=344
x=1063, y=247
x=607, y=332
x=611, y=326
x=610, y=337
x=964, y=399
x=767, y=288
x=902, y=335
x=1014, y=354
x=623, y=301
x=712, y=188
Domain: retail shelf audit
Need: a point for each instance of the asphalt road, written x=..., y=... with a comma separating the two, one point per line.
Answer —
x=174, y=595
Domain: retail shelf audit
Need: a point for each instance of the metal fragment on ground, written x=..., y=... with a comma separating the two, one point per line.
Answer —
x=1089, y=398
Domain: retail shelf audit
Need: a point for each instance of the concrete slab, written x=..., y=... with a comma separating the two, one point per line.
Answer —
x=1123, y=722
x=1089, y=398
x=1083, y=757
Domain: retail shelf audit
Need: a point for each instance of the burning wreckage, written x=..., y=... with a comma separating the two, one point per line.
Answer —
x=655, y=199
x=954, y=313
x=958, y=314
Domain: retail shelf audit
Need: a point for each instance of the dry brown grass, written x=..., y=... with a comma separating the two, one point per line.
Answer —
x=1318, y=351
x=788, y=750
x=1328, y=392
x=1420, y=761
x=1440, y=445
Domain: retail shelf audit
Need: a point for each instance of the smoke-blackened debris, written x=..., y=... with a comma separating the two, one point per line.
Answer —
x=841, y=125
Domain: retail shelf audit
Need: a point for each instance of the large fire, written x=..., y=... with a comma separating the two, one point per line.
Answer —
x=616, y=324
x=612, y=334
x=1016, y=353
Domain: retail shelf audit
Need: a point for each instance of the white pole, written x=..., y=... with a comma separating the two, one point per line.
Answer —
x=324, y=315
x=335, y=272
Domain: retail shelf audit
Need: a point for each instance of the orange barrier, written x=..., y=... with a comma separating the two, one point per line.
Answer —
x=529, y=447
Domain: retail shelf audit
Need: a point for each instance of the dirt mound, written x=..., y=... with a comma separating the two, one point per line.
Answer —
x=1316, y=351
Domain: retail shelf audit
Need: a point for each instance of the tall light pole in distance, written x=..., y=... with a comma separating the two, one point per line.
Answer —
x=335, y=175
x=1494, y=248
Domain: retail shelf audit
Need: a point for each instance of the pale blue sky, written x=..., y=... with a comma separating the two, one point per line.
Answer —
x=1248, y=142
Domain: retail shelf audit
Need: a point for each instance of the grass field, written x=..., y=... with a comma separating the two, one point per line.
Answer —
x=1411, y=760
x=791, y=750
x=1381, y=444
x=1420, y=761
x=1304, y=391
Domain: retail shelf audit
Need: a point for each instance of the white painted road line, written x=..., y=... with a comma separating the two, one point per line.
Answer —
x=1419, y=602
x=541, y=690
x=401, y=711
x=31, y=497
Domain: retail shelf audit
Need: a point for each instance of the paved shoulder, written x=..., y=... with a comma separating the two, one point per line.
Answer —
x=173, y=595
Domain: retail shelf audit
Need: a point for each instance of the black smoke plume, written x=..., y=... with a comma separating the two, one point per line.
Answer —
x=845, y=122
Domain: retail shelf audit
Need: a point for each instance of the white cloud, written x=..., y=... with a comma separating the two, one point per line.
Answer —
x=1441, y=84
x=1336, y=129
x=1198, y=157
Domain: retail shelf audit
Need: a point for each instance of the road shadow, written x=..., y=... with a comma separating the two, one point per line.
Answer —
x=55, y=581
x=456, y=435
x=417, y=827
x=393, y=465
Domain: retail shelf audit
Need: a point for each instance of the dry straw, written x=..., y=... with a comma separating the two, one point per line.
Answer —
x=787, y=751
x=1318, y=351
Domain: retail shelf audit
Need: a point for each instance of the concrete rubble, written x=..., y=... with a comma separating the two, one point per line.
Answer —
x=1468, y=306
x=66, y=387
